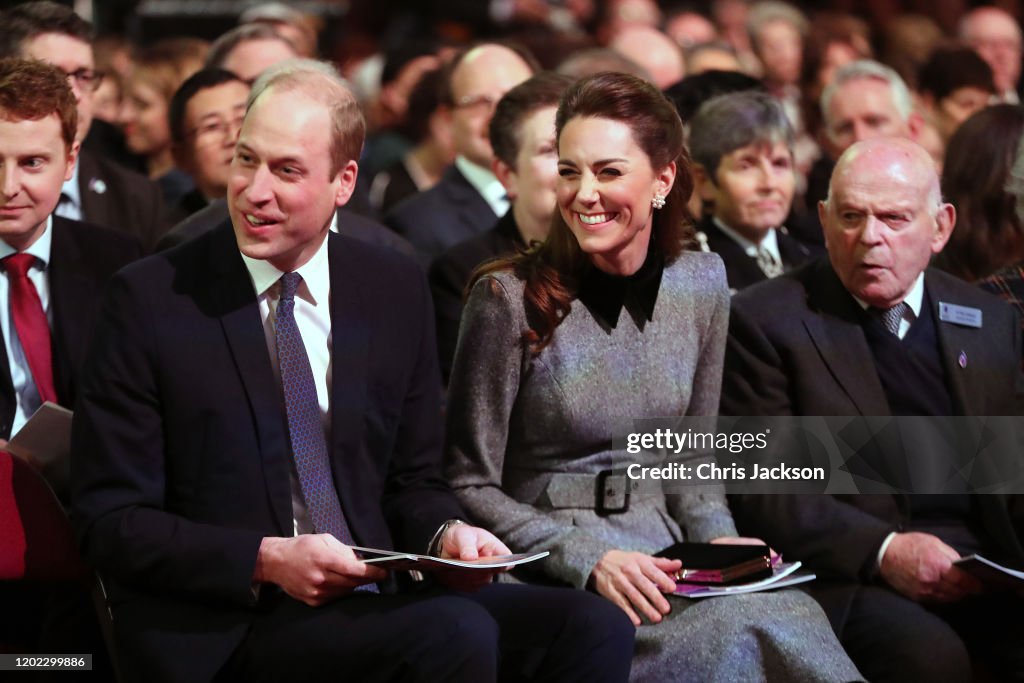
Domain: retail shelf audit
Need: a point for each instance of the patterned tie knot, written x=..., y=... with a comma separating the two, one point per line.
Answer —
x=768, y=263
x=18, y=264
x=290, y=285
x=892, y=317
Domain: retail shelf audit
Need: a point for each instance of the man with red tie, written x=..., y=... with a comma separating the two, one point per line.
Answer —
x=52, y=269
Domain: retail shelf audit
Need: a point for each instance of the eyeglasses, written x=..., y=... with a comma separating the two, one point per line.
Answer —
x=216, y=130
x=477, y=102
x=86, y=79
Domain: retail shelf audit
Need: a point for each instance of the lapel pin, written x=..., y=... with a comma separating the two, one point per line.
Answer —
x=962, y=359
x=967, y=316
x=97, y=185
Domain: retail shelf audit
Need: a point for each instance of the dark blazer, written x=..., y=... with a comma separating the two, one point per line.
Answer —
x=349, y=223
x=741, y=270
x=181, y=449
x=116, y=198
x=796, y=347
x=441, y=217
x=83, y=257
x=449, y=275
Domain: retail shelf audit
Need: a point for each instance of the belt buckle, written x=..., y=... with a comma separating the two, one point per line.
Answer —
x=607, y=489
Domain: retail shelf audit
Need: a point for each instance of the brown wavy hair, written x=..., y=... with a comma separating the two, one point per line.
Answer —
x=551, y=270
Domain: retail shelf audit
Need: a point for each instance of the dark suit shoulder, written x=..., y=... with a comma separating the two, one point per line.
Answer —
x=96, y=244
x=368, y=230
x=785, y=294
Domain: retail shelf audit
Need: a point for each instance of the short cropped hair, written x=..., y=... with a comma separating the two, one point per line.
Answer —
x=543, y=90
x=31, y=90
x=763, y=13
x=223, y=46
x=949, y=69
x=193, y=85
x=728, y=122
x=872, y=70
x=30, y=19
x=321, y=82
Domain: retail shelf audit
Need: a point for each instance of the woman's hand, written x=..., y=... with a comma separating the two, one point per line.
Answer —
x=635, y=580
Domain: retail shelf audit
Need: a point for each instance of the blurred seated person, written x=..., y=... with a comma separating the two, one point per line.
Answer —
x=522, y=134
x=954, y=84
x=976, y=179
x=654, y=51
x=204, y=116
x=996, y=36
x=711, y=57
x=597, y=59
x=248, y=50
x=742, y=147
x=299, y=28
x=422, y=166
x=157, y=73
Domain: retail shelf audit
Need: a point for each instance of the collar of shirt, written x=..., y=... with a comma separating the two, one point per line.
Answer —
x=770, y=241
x=484, y=182
x=40, y=248
x=606, y=295
x=914, y=299
x=71, y=190
x=315, y=275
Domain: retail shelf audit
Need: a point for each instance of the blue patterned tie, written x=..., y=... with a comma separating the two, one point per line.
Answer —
x=305, y=429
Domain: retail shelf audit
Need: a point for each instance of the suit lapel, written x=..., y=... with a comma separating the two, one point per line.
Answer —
x=350, y=348
x=91, y=191
x=964, y=385
x=235, y=303
x=72, y=293
x=836, y=332
x=475, y=213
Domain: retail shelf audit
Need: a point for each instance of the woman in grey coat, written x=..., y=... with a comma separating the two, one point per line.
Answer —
x=609, y=321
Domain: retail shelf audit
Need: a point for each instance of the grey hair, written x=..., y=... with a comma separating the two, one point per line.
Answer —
x=321, y=82
x=728, y=122
x=222, y=48
x=763, y=13
x=868, y=69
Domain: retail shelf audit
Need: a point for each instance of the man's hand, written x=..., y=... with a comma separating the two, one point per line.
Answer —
x=465, y=542
x=312, y=568
x=635, y=580
x=920, y=566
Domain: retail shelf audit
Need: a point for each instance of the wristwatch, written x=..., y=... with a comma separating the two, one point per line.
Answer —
x=434, y=548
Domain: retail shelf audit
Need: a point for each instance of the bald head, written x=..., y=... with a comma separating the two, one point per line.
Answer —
x=884, y=218
x=653, y=50
x=996, y=36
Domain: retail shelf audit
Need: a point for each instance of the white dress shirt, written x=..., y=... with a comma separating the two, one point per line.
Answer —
x=25, y=393
x=486, y=183
x=313, y=318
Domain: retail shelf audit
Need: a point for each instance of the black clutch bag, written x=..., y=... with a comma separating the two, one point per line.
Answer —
x=719, y=564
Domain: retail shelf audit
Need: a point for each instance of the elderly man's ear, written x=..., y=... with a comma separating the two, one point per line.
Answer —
x=945, y=221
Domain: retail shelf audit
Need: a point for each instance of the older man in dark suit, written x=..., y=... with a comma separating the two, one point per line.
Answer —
x=872, y=331
x=258, y=401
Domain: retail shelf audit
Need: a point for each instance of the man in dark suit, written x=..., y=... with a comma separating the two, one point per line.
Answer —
x=469, y=198
x=872, y=331
x=99, y=191
x=742, y=146
x=522, y=133
x=259, y=401
x=52, y=271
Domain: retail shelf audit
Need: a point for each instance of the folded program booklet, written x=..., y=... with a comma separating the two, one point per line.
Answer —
x=991, y=572
x=719, y=563
x=388, y=559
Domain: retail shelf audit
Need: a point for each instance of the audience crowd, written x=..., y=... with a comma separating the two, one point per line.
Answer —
x=399, y=285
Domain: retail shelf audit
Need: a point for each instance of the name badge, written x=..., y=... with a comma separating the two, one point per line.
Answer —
x=960, y=315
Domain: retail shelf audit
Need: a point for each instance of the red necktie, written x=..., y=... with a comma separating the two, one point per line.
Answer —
x=30, y=322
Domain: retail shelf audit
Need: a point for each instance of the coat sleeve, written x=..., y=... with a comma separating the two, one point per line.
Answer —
x=485, y=380
x=119, y=472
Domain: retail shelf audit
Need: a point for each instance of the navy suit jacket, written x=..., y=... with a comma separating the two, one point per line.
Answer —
x=446, y=214
x=181, y=456
x=796, y=347
x=114, y=197
x=742, y=270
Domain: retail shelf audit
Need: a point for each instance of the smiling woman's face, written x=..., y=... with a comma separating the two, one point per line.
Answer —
x=605, y=187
